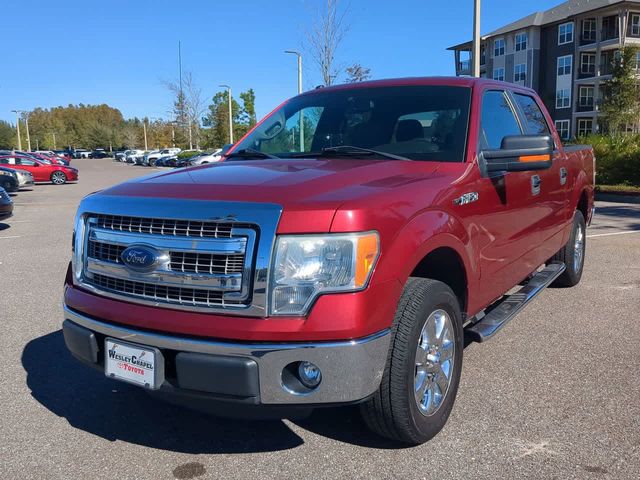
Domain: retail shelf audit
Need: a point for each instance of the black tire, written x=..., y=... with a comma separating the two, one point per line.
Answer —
x=393, y=411
x=9, y=186
x=569, y=255
x=58, y=177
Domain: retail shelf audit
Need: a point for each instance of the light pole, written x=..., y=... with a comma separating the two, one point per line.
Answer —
x=26, y=122
x=54, y=140
x=17, y=112
x=301, y=128
x=230, y=112
x=475, y=55
x=144, y=128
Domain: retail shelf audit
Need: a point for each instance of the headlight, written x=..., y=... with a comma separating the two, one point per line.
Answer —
x=306, y=266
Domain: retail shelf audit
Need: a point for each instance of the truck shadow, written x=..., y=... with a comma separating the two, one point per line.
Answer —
x=118, y=411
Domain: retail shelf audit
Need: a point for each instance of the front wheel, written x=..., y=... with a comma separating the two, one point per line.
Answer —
x=421, y=377
x=572, y=254
x=58, y=178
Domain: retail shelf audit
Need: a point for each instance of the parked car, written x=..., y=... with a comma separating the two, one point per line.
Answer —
x=120, y=155
x=167, y=161
x=41, y=170
x=151, y=157
x=99, y=153
x=9, y=179
x=206, y=157
x=24, y=177
x=81, y=153
x=45, y=157
x=350, y=270
x=6, y=205
x=63, y=154
x=134, y=155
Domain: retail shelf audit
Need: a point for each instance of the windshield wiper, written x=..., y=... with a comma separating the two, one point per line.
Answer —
x=248, y=153
x=350, y=151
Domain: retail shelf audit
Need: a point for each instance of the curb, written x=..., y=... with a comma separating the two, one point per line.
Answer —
x=616, y=198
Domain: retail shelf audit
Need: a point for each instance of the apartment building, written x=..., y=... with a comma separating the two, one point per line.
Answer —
x=565, y=53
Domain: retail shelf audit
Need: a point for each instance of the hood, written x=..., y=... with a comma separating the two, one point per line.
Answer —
x=309, y=190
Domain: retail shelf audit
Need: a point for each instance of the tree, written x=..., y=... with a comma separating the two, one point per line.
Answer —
x=188, y=106
x=7, y=135
x=621, y=102
x=324, y=39
x=358, y=73
x=244, y=117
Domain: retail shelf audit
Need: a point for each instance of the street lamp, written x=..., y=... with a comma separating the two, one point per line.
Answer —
x=301, y=129
x=17, y=112
x=475, y=55
x=230, y=112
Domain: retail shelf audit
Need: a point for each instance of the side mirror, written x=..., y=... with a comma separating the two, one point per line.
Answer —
x=520, y=153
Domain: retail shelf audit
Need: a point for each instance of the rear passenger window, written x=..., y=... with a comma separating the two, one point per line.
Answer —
x=498, y=120
x=535, y=122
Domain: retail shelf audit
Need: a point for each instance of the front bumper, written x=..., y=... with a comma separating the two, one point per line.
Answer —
x=6, y=211
x=351, y=370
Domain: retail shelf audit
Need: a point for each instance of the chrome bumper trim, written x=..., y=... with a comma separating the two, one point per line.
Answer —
x=351, y=369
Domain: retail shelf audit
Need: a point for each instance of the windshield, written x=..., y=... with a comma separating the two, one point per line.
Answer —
x=416, y=122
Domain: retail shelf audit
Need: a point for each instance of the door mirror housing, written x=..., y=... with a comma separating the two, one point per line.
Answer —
x=521, y=153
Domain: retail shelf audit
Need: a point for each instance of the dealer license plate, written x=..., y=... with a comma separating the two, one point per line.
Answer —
x=133, y=363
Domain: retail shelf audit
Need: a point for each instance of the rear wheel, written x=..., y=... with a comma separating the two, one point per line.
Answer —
x=572, y=254
x=422, y=374
x=59, y=178
x=8, y=185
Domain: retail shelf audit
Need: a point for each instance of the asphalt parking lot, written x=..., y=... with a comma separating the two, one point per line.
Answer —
x=555, y=395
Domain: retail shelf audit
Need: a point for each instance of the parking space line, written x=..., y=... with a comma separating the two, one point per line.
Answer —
x=613, y=233
x=10, y=236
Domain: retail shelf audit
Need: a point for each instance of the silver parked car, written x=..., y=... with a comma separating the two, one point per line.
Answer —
x=24, y=177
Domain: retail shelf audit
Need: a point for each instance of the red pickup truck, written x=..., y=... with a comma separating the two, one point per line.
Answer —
x=340, y=253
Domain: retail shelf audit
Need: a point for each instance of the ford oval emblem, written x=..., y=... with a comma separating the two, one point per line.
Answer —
x=140, y=258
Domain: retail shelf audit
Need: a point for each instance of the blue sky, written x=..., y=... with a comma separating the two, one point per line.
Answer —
x=119, y=52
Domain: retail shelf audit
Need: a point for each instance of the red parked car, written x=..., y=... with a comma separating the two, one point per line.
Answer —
x=42, y=169
x=342, y=264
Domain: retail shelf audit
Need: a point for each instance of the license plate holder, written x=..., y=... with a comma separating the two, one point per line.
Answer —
x=137, y=364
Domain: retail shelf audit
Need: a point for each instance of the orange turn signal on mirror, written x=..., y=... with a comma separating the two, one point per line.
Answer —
x=535, y=158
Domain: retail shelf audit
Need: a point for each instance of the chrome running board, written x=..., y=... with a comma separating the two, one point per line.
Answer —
x=510, y=305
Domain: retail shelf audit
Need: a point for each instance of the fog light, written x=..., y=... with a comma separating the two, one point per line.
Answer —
x=309, y=374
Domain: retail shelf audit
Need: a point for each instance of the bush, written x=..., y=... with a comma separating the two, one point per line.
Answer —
x=187, y=154
x=617, y=158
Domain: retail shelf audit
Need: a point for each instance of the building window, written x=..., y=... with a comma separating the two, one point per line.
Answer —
x=520, y=72
x=585, y=126
x=638, y=61
x=498, y=47
x=586, y=96
x=564, y=65
x=589, y=29
x=588, y=64
x=565, y=33
x=498, y=74
x=563, y=126
x=635, y=25
x=521, y=41
x=563, y=98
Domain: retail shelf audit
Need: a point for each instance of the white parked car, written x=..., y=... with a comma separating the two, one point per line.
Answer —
x=207, y=157
x=24, y=177
x=133, y=155
x=151, y=157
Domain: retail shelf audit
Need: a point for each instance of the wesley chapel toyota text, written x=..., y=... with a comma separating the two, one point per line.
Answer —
x=337, y=254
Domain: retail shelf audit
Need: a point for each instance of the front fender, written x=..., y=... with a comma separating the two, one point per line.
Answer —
x=423, y=234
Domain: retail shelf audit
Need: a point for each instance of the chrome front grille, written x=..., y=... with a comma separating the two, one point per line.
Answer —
x=206, y=256
x=197, y=263
x=159, y=293
x=186, y=262
x=161, y=226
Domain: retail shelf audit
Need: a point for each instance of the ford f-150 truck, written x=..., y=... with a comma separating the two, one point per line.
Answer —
x=340, y=254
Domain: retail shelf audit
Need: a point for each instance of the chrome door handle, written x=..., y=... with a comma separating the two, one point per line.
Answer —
x=563, y=176
x=535, y=184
